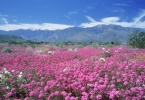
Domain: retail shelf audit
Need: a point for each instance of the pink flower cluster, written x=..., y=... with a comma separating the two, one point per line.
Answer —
x=73, y=75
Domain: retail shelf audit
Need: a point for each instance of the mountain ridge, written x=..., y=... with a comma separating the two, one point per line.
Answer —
x=10, y=38
x=98, y=33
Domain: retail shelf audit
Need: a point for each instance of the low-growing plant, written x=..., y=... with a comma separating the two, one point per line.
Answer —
x=73, y=75
x=6, y=50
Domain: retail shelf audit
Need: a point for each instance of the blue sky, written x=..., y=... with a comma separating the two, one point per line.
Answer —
x=60, y=14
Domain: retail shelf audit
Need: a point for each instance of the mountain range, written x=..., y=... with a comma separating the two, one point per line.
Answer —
x=10, y=37
x=99, y=33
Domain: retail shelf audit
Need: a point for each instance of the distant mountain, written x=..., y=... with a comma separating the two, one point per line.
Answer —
x=10, y=37
x=99, y=33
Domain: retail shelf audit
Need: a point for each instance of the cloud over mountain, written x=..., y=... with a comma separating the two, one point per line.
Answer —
x=137, y=22
x=43, y=26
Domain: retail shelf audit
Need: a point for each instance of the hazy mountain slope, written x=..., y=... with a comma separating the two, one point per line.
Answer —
x=10, y=37
x=99, y=33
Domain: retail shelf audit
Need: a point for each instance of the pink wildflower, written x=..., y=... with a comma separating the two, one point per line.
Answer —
x=9, y=94
x=46, y=88
x=64, y=93
x=41, y=95
x=31, y=93
x=125, y=83
x=26, y=98
x=99, y=97
x=13, y=89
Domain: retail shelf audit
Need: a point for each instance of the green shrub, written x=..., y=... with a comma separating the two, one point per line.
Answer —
x=95, y=45
x=137, y=39
x=6, y=50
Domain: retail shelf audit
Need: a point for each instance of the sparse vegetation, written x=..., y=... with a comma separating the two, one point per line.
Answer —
x=137, y=39
x=6, y=50
x=10, y=38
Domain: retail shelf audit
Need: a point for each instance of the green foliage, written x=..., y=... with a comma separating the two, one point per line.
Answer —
x=137, y=39
x=95, y=45
x=6, y=50
x=110, y=44
x=10, y=38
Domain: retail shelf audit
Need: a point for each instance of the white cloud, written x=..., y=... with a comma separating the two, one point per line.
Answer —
x=90, y=19
x=137, y=23
x=73, y=13
x=70, y=14
x=90, y=7
x=14, y=20
x=84, y=25
x=110, y=20
x=67, y=16
x=137, y=19
x=118, y=10
x=93, y=22
x=4, y=20
x=44, y=26
x=121, y=4
x=3, y=15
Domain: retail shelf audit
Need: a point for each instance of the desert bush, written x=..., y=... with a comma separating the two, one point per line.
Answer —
x=137, y=39
x=95, y=45
x=6, y=50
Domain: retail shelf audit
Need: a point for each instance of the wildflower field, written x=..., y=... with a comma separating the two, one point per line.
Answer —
x=87, y=73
